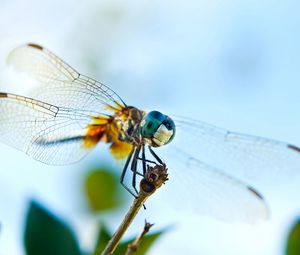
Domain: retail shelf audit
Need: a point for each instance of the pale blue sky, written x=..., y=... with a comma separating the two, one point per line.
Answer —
x=234, y=64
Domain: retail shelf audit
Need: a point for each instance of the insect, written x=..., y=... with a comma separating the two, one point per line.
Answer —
x=70, y=113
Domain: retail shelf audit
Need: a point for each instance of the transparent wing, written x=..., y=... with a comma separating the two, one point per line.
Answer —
x=61, y=84
x=237, y=154
x=204, y=189
x=210, y=167
x=46, y=132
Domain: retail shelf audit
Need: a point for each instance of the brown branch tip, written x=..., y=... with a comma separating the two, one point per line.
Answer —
x=154, y=178
x=132, y=248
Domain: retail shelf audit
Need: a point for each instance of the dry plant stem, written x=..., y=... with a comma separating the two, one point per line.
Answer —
x=132, y=248
x=135, y=207
x=154, y=178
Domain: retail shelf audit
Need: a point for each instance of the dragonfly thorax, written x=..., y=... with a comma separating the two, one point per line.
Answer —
x=157, y=129
x=128, y=122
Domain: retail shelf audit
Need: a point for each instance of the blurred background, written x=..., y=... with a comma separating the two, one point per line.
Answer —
x=231, y=63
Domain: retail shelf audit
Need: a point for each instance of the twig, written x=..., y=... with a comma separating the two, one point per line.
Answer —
x=154, y=178
x=132, y=248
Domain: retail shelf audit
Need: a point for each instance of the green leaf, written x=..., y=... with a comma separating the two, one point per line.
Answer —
x=103, y=238
x=102, y=189
x=293, y=244
x=46, y=234
x=144, y=247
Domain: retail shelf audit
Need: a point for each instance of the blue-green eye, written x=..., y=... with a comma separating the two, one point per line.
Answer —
x=157, y=129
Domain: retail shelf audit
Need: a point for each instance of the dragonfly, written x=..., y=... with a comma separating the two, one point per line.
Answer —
x=69, y=113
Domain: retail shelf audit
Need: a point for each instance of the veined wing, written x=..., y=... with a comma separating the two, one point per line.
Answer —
x=61, y=84
x=204, y=162
x=201, y=188
x=237, y=154
x=50, y=134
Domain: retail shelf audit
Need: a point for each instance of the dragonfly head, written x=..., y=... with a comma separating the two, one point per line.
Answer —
x=157, y=129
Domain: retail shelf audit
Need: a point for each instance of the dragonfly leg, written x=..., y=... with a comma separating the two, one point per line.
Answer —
x=147, y=161
x=144, y=165
x=124, y=173
x=134, y=167
x=155, y=156
x=137, y=172
x=144, y=160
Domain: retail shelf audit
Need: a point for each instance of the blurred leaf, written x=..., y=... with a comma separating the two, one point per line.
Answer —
x=103, y=238
x=293, y=244
x=144, y=247
x=103, y=190
x=45, y=234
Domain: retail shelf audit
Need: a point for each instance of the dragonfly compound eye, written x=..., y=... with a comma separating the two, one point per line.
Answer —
x=157, y=129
